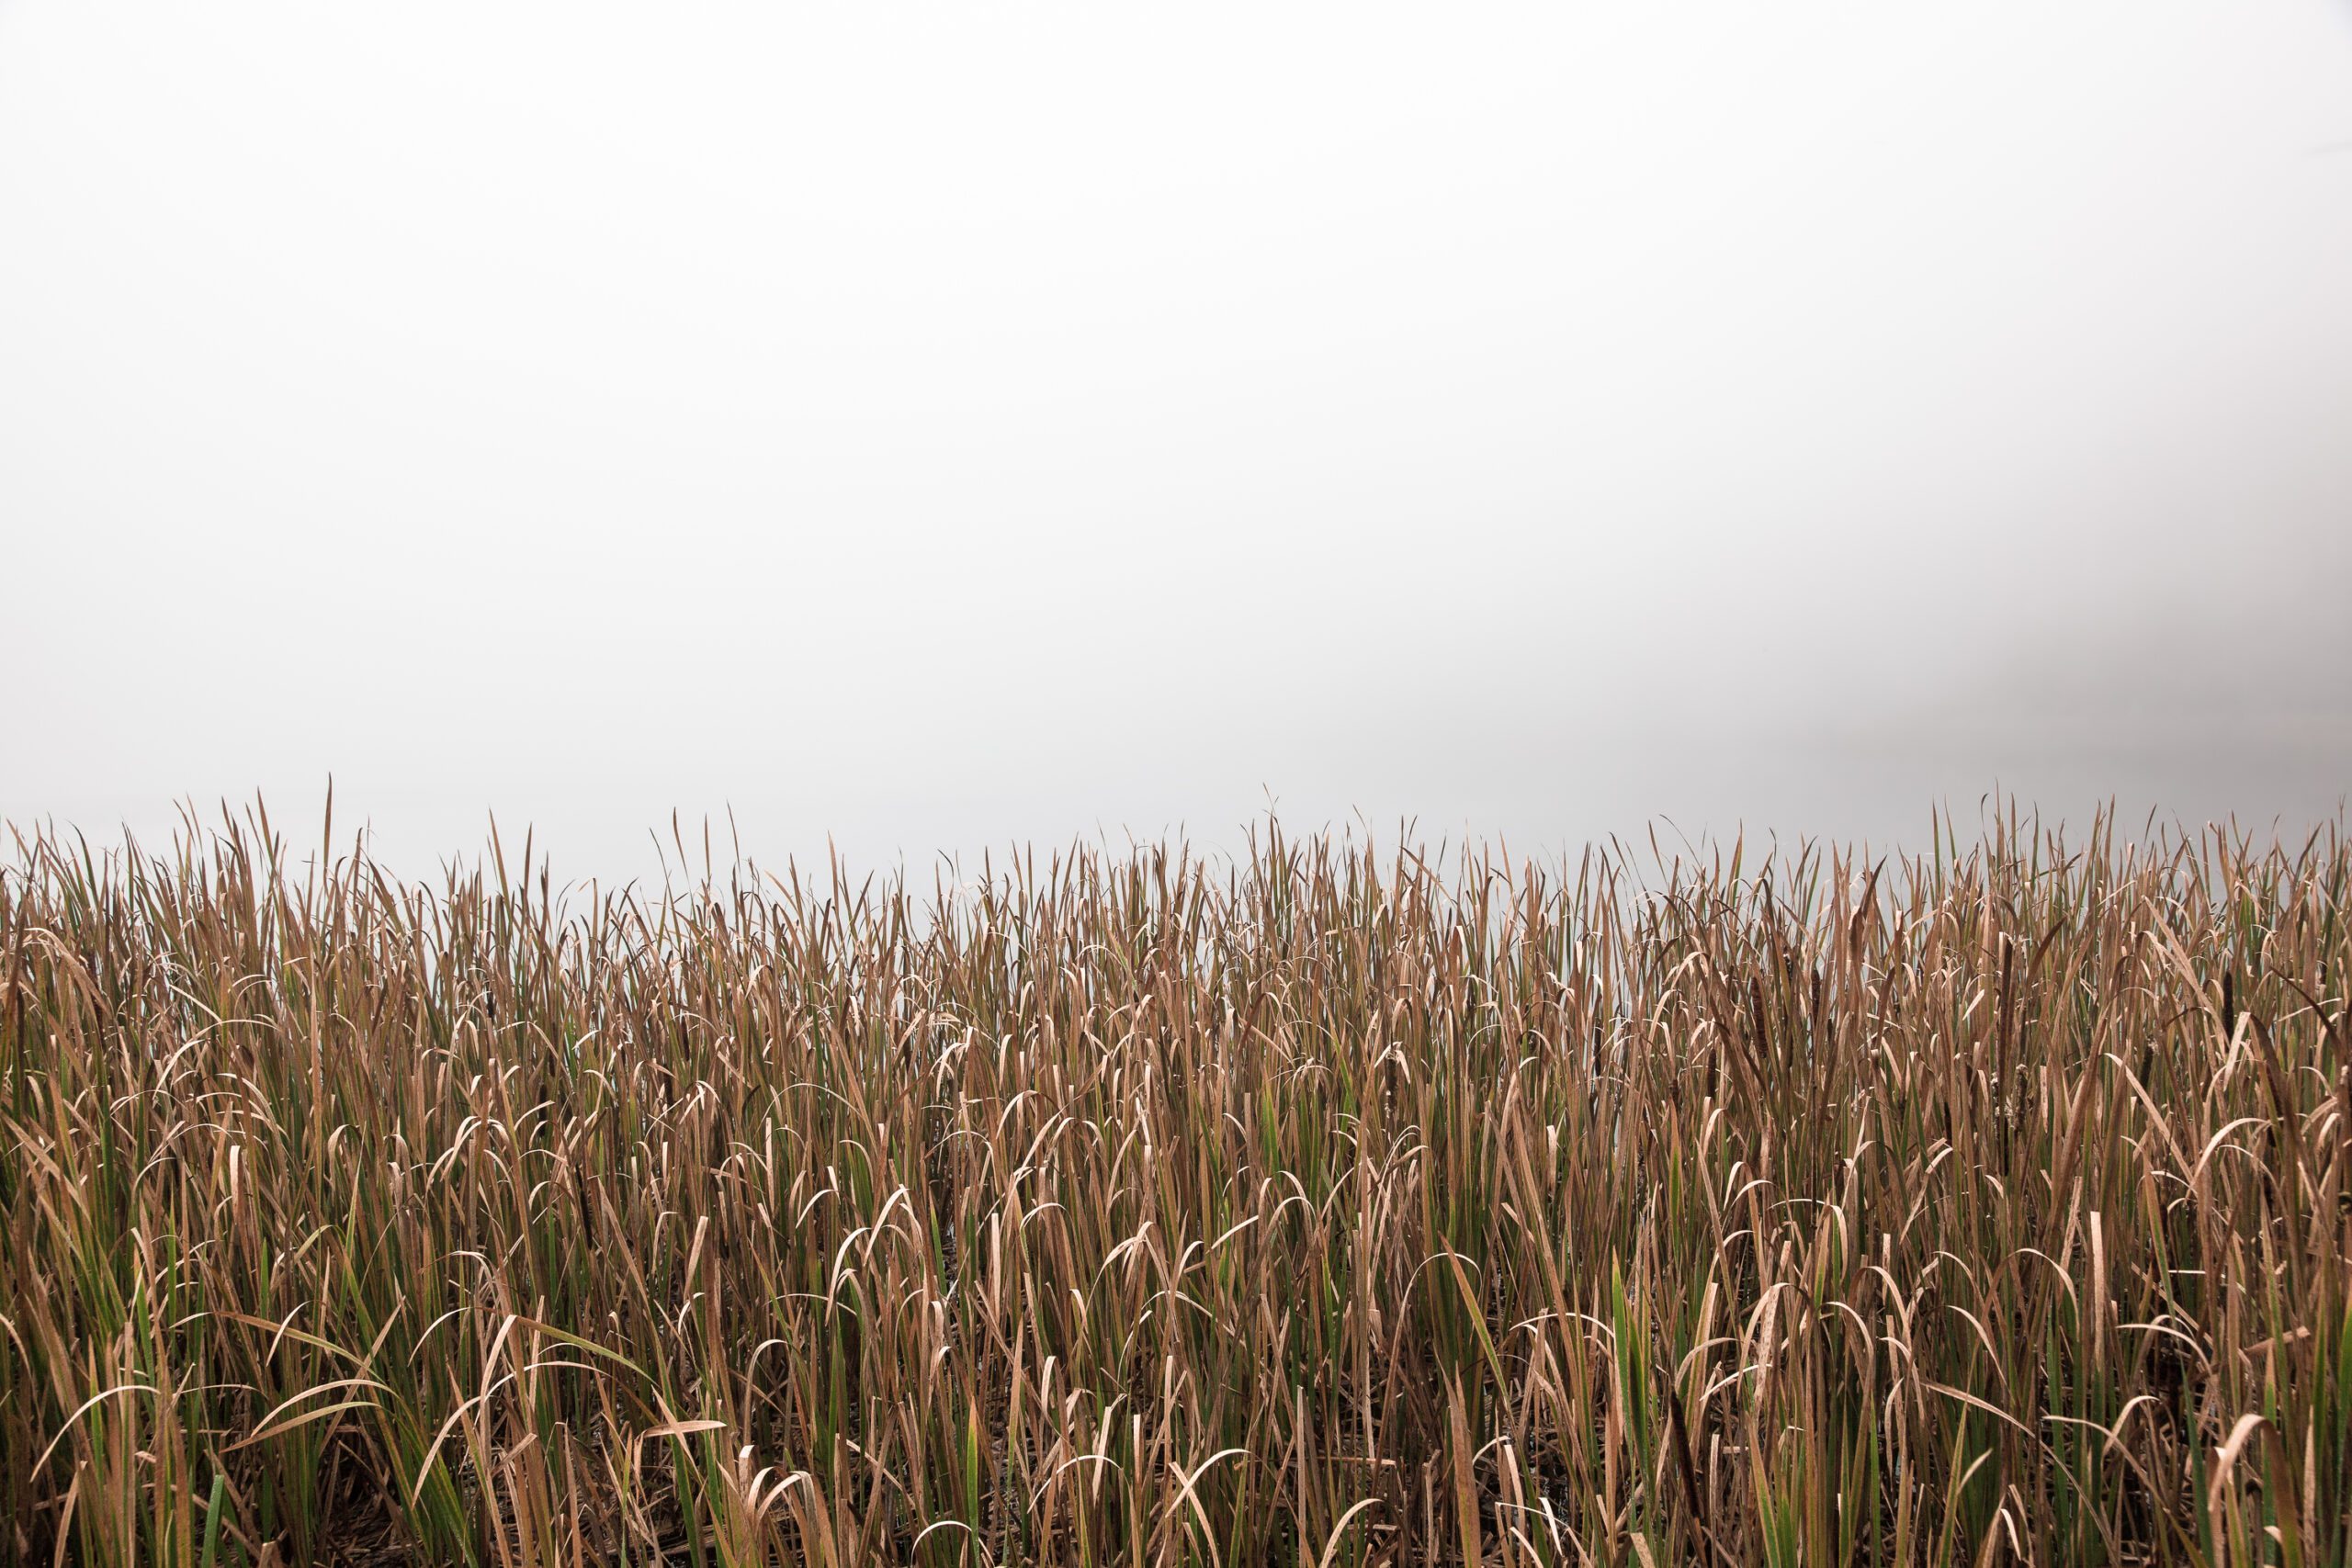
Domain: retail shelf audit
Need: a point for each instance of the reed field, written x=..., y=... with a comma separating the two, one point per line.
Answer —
x=1321, y=1205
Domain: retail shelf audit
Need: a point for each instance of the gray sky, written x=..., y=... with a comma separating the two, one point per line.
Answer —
x=943, y=426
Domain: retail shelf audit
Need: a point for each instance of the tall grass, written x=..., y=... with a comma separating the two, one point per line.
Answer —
x=1318, y=1207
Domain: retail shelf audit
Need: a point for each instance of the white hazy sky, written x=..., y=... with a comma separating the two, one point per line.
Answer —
x=938, y=427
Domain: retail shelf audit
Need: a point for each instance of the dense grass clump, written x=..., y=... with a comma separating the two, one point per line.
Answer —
x=1127, y=1208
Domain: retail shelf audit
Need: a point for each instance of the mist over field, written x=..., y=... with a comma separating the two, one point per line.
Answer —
x=999, y=428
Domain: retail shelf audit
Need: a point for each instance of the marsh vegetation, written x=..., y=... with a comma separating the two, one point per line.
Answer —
x=1320, y=1206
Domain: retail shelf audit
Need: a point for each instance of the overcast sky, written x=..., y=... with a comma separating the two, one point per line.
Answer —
x=938, y=427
